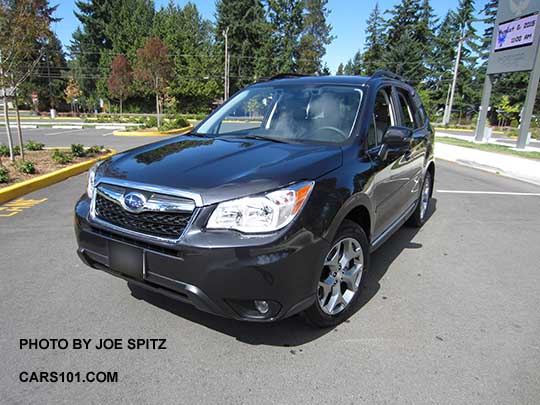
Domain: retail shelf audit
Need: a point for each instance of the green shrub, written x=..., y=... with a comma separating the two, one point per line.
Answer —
x=25, y=166
x=94, y=150
x=4, y=178
x=174, y=123
x=62, y=158
x=33, y=145
x=150, y=122
x=77, y=150
x=4, y=150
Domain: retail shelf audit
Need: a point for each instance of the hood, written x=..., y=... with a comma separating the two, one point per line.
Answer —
x=221, y=169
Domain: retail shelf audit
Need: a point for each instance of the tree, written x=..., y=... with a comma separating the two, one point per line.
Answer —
x=24, y=30
x=90, y=41
x=154, y=69
x=249, y=40
x=405, y=56
x=286, y=20
x=340, y=70
x=120, y=79
x=374, y=45
x=196, y=58
x=72, y=93
x=355, y=66
x=316, y=34
x=408, y=21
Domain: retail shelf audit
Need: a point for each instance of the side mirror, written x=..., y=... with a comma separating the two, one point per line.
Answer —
x=397, y=137
x=394, y=138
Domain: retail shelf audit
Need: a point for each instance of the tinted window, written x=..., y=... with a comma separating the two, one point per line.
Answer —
x=298, y=113
x=410, y=115
x=381, y=118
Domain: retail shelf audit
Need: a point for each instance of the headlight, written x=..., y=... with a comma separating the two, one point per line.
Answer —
x=92, y=179
x=265, y=213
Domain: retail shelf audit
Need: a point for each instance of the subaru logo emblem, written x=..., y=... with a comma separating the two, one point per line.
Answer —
x=134, y=201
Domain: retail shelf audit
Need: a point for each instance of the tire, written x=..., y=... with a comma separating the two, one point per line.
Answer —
x=419, y=216
x=340, y=284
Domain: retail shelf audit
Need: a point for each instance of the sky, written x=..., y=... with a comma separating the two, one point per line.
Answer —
x=347, y=17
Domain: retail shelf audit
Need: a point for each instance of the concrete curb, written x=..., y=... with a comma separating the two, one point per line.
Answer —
x=37, y=183
x=154, y=133
x=463, y=130
x=514, y=167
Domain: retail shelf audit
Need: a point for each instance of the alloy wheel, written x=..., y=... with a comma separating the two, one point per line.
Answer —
x=341, y=276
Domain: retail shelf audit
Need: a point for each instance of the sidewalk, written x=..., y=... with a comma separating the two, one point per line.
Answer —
x=512, y=166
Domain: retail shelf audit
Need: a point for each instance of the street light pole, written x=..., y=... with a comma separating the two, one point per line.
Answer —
x=448, y=109
x=226, y=74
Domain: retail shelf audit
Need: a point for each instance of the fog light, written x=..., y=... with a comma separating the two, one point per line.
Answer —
x=262, y=306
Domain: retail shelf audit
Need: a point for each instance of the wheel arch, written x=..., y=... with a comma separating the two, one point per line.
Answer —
x=357, y=209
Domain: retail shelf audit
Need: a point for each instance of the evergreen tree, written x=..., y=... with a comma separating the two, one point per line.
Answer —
x=248, y=38
x=339, y=71
x=316, y=34
x=286, y=19
x=349, y=68
x=412, y=19
x=196, y=64
x=404, y=57
x=89, y=41
x=468, y=88
x=374, y=46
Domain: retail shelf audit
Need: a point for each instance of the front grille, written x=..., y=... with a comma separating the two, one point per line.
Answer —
x=162, y=224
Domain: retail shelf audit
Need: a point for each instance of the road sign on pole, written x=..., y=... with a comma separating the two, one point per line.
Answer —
x=514, y=48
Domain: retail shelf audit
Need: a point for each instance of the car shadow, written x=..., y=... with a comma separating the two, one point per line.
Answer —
x=293, y=331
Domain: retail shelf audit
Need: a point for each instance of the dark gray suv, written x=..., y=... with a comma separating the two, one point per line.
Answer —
x=273, y=204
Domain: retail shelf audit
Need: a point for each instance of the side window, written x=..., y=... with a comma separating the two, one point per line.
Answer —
x=410, y=114
x=382, y=117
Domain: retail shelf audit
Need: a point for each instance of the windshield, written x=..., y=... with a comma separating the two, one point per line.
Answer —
x=288, y=113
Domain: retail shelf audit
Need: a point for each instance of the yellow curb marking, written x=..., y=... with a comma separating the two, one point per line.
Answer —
x=14, y=207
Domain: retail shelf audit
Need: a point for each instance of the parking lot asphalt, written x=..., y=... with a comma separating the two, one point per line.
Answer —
x=448, y=314
x=57, y=137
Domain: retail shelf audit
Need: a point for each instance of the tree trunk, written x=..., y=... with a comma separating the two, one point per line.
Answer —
x=8, y=129
x=120, y=108
x=19, y=129
x=157, y=111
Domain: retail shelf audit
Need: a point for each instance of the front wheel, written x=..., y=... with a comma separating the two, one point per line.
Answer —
x=341, y=276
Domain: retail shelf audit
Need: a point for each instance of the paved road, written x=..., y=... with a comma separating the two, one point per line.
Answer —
x=449, y=315
x=88, y=137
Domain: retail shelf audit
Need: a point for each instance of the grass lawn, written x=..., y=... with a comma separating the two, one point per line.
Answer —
x=488, y=147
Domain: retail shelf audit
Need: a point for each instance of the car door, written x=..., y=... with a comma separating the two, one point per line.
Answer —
x=387, y=177
x=411, y=163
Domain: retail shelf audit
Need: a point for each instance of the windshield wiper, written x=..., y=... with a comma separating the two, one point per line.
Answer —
x=258, y=137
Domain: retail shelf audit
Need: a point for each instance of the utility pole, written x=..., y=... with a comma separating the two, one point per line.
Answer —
x=51, y=106
x=227, y=59
x=448, y=109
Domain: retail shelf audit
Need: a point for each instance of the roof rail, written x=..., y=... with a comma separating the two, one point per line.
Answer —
x=387, y=73
x=282, y=76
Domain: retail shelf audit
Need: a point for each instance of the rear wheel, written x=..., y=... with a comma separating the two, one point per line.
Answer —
x=341, y=276
x=419, y=216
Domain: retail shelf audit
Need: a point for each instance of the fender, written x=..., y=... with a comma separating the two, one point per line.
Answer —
x=359, y=199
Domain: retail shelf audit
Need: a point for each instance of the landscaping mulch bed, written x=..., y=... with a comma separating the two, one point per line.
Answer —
x=43, y=164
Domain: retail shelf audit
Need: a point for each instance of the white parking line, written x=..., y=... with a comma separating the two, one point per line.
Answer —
x=487, y=192
x=62, y=132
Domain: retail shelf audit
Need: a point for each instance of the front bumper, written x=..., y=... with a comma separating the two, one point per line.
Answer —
x=216, y=276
